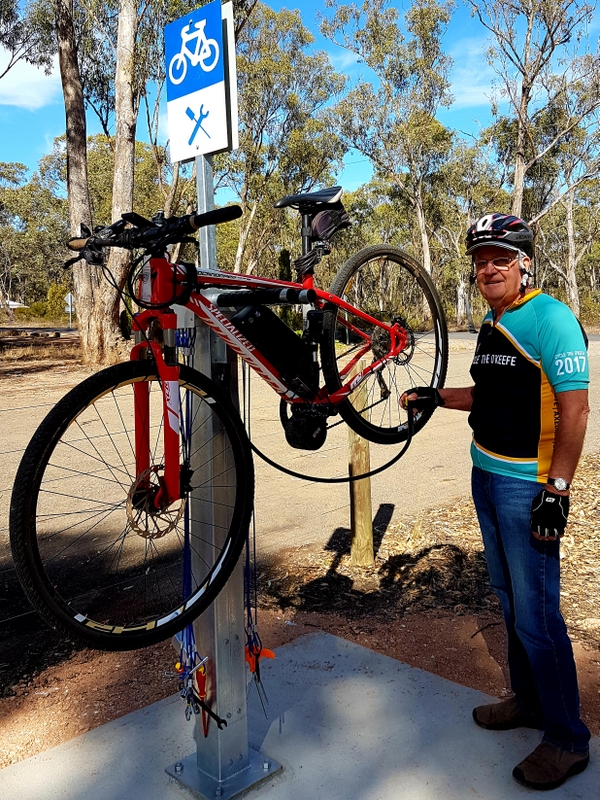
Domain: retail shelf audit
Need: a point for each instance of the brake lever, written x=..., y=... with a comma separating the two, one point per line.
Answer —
x=72, y=261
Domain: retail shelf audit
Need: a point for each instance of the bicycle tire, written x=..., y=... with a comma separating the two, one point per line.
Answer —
x=389, y=285
x=94, y=561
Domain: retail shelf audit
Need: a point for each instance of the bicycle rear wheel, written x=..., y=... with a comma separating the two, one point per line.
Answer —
x=389, y=285
x=95, y=557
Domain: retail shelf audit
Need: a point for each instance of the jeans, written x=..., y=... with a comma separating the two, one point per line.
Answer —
x=525, y=574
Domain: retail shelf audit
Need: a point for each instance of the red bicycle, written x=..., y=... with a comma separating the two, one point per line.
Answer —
x=107, y=490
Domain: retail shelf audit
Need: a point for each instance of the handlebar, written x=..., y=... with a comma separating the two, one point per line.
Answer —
x=157, y=233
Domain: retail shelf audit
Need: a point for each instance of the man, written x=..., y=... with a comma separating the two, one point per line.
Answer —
x=528, y=411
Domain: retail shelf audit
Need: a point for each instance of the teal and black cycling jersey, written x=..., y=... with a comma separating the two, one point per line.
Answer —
x=533, y=352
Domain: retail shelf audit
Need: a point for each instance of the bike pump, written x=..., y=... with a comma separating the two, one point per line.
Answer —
x=224, y=764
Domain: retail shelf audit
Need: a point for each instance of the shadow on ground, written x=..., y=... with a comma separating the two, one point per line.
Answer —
x=437, y=576
x=27, y=645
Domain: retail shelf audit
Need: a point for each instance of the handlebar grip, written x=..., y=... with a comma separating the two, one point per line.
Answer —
x=76, y=244
x=215, y=217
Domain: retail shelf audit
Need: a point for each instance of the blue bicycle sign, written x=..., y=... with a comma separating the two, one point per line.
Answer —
x=198, y=113
x=205, y=52
x=194, y=51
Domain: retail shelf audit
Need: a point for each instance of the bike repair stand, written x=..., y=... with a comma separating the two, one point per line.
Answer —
x=224, y=764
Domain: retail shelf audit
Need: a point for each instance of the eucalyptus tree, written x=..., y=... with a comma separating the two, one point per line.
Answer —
x=25, y=34
x=536, y=51
x=564, y=155
x=392, y=119
x=111, y=50
x=33, y=221
x=469, y=185
x=286, y=142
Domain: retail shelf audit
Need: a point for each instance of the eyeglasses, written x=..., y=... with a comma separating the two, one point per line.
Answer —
x=502, y=264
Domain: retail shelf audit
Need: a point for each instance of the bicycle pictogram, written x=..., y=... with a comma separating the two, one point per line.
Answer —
x=205, y=52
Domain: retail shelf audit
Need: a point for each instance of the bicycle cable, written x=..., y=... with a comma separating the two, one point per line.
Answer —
x=348, y=479
x=317, y=479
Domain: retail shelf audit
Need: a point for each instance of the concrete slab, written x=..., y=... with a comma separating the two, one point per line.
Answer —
x=345, y=723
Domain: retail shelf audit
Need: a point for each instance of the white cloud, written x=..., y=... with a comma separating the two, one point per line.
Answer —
x=343, y=60
x=471, y=77
x=27, y=86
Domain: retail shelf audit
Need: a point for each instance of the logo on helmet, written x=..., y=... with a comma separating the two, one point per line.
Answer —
x=502, y=230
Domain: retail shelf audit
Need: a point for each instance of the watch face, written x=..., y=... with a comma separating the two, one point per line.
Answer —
x=560, y=484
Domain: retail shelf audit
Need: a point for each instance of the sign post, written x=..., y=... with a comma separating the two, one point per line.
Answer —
x=202, y=109
x=69, y=306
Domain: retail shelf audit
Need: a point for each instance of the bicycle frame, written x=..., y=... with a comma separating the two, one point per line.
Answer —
x=165, y=278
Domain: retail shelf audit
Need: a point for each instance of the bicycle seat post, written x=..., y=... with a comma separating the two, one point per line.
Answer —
x=306, y=232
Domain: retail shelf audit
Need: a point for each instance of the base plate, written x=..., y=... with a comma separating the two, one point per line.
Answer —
x=187, y=773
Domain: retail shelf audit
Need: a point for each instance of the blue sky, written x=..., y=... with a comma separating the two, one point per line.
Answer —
x=32, y=113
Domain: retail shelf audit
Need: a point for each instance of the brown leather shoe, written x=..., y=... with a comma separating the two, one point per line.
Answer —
x=505, y=716
x=549, y=766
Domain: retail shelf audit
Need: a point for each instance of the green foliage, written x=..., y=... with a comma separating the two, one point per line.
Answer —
x=590, y=309
x=55, y=304
x=287, y=144
x=391, y=119
x=33, y=228
x=297, y=120
x=26, y=32
x=36, y=311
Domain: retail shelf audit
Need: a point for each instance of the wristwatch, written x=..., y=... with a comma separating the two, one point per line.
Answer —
x=560, y=484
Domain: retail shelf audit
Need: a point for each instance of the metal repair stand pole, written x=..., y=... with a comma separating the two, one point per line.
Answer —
x=224, y=764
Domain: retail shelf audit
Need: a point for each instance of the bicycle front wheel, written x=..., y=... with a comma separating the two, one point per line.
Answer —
x=390, y=286
x=97, y=559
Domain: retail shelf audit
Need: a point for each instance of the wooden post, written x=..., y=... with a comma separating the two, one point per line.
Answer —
x=361, y=511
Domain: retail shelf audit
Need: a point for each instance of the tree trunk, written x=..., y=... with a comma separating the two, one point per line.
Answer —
x=572, y=287
x=244, y=235
x=76, y=136
x=461, y=301
x=423, y=233
x=520, y=167
x=86, y=279
x=111, y=346
x=472, y=328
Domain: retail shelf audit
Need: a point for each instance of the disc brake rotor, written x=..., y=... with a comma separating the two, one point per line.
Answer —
x=143, y=516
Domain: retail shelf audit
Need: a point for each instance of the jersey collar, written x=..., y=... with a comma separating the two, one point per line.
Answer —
x=524, y=299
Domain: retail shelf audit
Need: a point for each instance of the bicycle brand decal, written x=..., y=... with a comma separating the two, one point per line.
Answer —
x=173, y=404
x=146, y=288
x=211, y=315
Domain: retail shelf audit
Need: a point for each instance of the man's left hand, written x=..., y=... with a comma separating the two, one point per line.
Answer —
x=549, y=513
x=422, y=398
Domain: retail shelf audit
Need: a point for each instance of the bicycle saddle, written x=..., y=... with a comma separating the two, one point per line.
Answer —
x=311, y=199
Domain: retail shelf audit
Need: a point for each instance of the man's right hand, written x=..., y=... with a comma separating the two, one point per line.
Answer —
x=422, y=398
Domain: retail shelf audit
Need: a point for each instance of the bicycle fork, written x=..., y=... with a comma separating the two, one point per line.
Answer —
x=168, y=488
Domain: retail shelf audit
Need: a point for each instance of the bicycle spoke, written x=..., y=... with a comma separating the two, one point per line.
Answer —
x=113, y=558
x=386, y=284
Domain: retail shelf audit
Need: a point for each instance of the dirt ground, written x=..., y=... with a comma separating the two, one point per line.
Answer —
x=425, y=602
